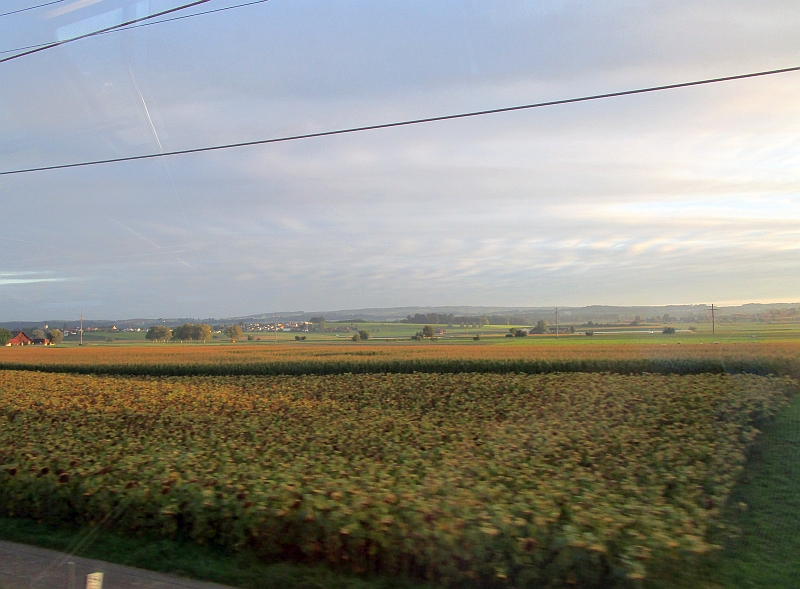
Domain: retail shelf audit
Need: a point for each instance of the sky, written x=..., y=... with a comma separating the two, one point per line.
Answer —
x=682, y=196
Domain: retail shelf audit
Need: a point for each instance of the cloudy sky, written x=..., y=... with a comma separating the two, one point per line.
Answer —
x=684, y=196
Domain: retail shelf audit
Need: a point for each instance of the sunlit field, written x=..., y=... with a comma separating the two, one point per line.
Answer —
x=571, y=478
x=586, y=461
x=741, y=342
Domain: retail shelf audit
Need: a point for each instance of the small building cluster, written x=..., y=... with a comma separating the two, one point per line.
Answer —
x=20, y=338
x=286, y=326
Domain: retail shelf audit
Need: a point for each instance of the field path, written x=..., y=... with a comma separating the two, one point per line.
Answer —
x=28, y=567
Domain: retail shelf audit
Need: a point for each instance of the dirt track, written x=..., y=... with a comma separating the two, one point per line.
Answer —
x=29, y=567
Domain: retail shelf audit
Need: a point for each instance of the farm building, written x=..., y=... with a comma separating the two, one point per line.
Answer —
x=20, y=338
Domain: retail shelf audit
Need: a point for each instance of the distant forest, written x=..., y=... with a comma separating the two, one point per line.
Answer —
x=450, y=319
x=786, y=314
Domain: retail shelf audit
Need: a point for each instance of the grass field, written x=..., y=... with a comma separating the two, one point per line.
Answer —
x=765, y=507
x=401, y=332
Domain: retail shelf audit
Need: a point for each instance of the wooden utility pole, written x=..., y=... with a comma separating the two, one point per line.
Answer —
x=556, y=322
x=276, y=327
x=713, y=322
x=81, y=331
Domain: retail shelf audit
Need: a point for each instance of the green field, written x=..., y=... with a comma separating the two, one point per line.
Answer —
x=400, y=333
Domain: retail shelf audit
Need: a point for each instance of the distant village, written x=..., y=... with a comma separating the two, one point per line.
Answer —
x=47, y=337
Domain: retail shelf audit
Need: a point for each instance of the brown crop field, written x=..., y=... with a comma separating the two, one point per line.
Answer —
x=509, y=479
x=343, y=357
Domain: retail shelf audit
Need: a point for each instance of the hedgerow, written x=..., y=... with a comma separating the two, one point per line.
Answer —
x=684, y=366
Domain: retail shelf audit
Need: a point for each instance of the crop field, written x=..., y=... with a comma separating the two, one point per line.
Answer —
x=508, y=479
x=684, y=355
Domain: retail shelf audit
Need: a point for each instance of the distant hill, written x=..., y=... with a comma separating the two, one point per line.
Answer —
x=595, y=313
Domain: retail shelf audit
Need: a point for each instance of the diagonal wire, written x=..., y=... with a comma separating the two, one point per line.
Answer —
x=406, y=123
x=31, y=7
x=147, y=24
x=101, y=31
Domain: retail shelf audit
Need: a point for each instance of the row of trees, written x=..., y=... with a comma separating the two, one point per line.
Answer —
x=449, y=319
x=467, y=320
x=185, y=332
x=190, y=332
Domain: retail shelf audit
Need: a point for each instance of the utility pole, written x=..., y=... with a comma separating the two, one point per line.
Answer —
x=713, y=322
x=556, y=322
x=81, y=331
x=276, y=327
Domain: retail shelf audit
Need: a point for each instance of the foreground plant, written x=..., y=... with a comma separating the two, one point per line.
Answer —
x=519, y=480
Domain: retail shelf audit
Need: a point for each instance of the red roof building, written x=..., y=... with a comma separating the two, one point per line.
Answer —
x=20, y=338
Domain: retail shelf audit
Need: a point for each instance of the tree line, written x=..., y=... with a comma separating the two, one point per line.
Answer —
x=466, y=320
x=185, y=332
x=189, y=332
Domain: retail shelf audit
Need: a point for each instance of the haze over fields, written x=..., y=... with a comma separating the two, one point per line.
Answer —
x=598, y=314
x=685, y=196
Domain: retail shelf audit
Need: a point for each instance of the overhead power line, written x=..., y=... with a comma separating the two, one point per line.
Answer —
x=31, y=7
x=223, y=9
x=406, y=123
x=147, y=24
x=101, y=31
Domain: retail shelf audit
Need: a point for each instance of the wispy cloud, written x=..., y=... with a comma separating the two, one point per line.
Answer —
x=28, y=277
x=6, y=281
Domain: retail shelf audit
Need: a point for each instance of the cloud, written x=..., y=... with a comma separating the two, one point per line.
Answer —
x=7, y=281
x=645, y=199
